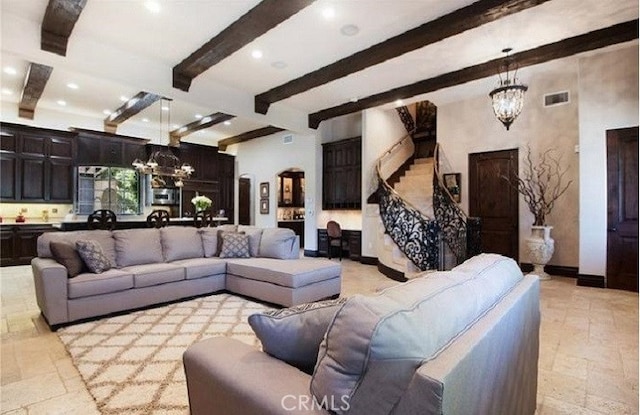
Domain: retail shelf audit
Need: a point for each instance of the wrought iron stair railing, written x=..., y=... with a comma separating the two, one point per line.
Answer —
x=416, y=234
x=460, y=232
x=419, y=236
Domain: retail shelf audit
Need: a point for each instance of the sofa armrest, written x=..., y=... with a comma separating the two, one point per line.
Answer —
x=50, y=280
x=226, y=376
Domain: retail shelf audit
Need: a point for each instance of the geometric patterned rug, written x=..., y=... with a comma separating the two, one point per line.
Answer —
x=132, y=364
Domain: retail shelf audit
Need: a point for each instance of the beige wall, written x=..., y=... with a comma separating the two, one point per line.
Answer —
x=469, y=126
x=608, y=100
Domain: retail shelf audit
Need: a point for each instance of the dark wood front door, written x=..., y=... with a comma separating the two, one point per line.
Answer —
x=622, y=209
x=494, y=201
x=244, y=201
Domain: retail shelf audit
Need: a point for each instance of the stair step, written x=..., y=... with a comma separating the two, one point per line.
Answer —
x=423, y=160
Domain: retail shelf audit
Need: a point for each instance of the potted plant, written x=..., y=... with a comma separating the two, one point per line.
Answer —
x=201, y=203
x=541, y=184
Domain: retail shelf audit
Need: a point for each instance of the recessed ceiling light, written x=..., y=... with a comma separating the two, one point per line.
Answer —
x=152, y=6
x=175, y=126
x=71, y=85
x=198, y=116
x=61, y=102
x=145, y=120
x=10, y=70
x=349, y=30
x=165, y=108
x=106, y=112
x=227, y=123
x=279, y=64
x=206, y=119
x=329, y=13
x=256, y=54
x=123, y=98
x=399, y=103
x=354, y=99
x=7, y=91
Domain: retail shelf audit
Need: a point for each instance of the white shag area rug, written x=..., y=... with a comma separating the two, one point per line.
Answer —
x=132, y=364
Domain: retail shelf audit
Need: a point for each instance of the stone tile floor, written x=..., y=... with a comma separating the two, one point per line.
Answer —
x=588, y=354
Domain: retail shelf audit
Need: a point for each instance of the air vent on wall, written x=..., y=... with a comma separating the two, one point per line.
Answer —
x=557, y=98
x=287, y=139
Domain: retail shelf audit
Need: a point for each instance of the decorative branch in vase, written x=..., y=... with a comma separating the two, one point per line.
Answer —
x=541, y=184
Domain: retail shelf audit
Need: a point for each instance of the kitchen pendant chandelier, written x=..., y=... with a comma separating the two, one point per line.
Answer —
x=508, y=98
x=163, y=163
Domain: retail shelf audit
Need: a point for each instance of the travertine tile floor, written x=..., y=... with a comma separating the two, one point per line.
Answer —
x=588, y=354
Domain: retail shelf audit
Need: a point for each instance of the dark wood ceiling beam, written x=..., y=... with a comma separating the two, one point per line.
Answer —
x=249, y=135
x=597, y=39
x=204, y=122
x=57, y=25
x=34, y=83
x=256, y=22
x=130, y=108
x=461, y=20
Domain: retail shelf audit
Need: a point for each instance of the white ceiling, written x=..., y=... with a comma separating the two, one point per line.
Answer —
x=119, y=47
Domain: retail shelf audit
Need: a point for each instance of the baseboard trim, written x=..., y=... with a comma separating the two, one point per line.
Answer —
x=394, y=274
x=368, y=260
x=308, y=252
x=559, y=270
x=585, y=280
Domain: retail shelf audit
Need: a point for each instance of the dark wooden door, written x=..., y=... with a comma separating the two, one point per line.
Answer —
x=622, y=209
x=494, y=201
x=244, y=201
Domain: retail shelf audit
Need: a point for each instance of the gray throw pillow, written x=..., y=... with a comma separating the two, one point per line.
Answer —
x=66, y=254
x=234, y=245
x=93, y=256
x=294, y=334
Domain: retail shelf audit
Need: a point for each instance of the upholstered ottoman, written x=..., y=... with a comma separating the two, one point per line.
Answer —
x=283, y=281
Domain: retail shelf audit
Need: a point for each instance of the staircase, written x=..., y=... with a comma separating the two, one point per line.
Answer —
x=421, y=228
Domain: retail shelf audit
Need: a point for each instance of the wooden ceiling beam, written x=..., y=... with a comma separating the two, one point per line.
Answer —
x=249, y=135
x=57, y=25
x=130, y=108
x=597, y=39
x=201, y=124
x=256, y=22
x=34, y=83
x=454, y=23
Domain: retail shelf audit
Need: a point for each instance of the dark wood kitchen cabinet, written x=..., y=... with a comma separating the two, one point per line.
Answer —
x=36, y=164
x=342, y=174
x=96, y=148
x=18, y=243
x=204, y=160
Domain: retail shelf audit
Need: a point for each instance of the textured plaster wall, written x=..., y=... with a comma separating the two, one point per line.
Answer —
x=469, y=126
x=261, y=160
x=380, y=130
x=608, y=100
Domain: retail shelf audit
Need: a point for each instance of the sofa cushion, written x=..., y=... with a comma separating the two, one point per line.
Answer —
x=104, y=238
x=294, y=334
x=375, y=344
x=94, y=258
x=277, y=243
x=66, y=254
x=202, y=267
x=292, y=273
x=255, y=234
x=234, y=245
x=88, y=284
x=209, y=241
x=146, y=275
x=180, y=242
x=137, y=246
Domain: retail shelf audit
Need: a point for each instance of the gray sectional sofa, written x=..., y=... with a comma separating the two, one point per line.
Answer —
x=152, y=266
x=462, y=342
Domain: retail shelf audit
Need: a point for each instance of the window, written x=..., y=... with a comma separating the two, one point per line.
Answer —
x=114, y=188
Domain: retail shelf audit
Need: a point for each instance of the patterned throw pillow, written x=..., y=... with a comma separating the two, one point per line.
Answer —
x=294, y=334
x=234, y=245
x=93, y=256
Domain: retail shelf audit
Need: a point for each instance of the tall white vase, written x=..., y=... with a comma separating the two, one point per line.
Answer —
x=541, y=247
